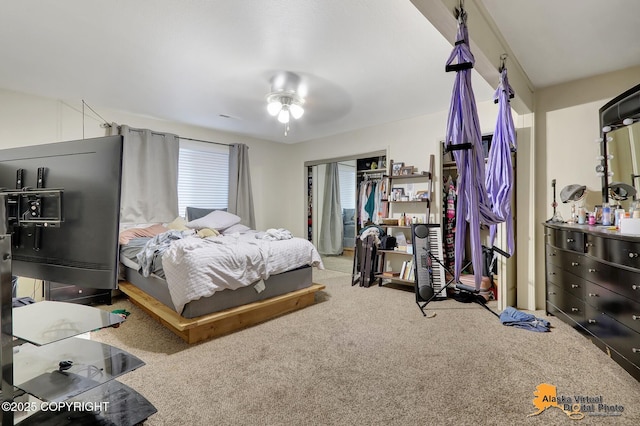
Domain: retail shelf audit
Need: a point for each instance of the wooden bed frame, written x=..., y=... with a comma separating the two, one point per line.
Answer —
x=204, y=327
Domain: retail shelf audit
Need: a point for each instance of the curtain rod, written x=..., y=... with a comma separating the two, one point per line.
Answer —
x=200, y=140
x=107, y=124
x=179, y=137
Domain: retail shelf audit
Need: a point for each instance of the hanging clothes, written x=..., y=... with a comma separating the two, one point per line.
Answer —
x=450, y=197
x=371, y=197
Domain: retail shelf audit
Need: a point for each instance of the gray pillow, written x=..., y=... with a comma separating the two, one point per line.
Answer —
x=217, y=219
x=194, y=213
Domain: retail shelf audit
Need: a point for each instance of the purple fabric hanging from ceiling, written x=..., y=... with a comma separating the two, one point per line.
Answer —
x=499, y=177
x=463, y=126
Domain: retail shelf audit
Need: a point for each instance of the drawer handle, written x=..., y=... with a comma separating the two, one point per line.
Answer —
x=635, y=287
x=593, y=294
x=552, y=254
x=632, y=254
x=635, y=317
x=574, y=309
x=592, y=270
x=570, y=240
x=635, y=350
x=574, y=264
x=591, y=321
x=589, y=244
x=551, y=293
x=575, y=286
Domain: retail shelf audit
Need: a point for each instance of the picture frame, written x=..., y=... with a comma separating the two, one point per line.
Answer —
x=406, y=171
x=397, y=193
x=395, y=171
x=422, y=195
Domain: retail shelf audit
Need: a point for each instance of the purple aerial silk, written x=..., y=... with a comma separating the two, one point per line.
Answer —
x=463, y=126
x=499, y=181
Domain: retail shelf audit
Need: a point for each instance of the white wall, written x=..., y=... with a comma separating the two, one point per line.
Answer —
x=33, y=120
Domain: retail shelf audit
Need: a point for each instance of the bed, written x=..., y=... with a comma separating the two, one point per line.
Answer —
x=211, y=275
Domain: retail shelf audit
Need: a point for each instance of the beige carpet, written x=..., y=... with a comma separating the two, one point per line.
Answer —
x=338, y=263
x=367, y=356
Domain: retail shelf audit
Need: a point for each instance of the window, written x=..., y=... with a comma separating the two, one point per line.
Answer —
x=203, y=176
x=347, y=176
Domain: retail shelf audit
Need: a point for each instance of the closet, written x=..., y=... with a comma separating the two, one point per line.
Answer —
x=329, y=211
x=372, y=189
x=504, y=268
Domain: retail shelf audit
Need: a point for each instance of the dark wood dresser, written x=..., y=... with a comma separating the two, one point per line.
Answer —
x=593, y=284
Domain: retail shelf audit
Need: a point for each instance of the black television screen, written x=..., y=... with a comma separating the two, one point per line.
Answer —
x=62, y=209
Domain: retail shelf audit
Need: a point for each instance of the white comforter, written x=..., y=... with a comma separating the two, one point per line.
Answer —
x=197, y=267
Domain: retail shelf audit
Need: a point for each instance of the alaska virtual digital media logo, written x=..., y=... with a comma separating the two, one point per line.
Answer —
x=575, y=406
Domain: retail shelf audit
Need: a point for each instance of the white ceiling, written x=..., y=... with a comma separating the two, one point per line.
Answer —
x=362, y=62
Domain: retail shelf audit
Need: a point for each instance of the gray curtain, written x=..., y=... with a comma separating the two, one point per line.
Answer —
x=331, y=230
x=240, y=195
x=149, y=175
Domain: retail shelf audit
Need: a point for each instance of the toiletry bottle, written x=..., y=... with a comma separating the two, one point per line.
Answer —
x=619, y=215
x=592, y=218
x=606, y=214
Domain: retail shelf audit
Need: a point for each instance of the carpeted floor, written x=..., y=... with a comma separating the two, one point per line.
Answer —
x=367, y=356
x=338, y=263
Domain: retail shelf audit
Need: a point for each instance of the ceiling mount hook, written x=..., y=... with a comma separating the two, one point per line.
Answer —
x=503, y=60
x=459, y=12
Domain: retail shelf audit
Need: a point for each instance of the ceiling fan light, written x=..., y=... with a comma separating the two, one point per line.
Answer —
x=274, y=107
x=283, y=116
x=296, y=111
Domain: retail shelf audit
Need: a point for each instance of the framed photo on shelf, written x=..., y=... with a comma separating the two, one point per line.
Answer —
x=422, y=195
x=395, y=171
x=406, y=171
x=397, y=193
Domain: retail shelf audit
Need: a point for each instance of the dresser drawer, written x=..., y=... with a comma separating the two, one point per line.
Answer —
x=566, y=239
x=628, y=284
x=617, y=336
x=622, y=281
x=566, y=302
x=567, y=281
x=616, y=251
x=565, y=259
x=618, y=307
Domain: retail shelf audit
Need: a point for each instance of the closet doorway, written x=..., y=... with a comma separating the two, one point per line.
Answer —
x=332, y=186
x=505, y=268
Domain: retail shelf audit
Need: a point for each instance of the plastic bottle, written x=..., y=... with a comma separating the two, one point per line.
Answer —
x=606, y=214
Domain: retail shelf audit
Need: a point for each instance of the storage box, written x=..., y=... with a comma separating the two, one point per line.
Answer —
x=630, y=225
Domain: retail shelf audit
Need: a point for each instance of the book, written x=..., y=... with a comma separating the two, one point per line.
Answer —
x=403, y=270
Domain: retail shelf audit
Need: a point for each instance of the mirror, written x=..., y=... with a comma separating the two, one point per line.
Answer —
x=333, y=190
x=620, y=148
x=625, y=164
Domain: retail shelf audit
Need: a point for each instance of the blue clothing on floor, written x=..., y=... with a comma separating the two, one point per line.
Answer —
x=516, y=318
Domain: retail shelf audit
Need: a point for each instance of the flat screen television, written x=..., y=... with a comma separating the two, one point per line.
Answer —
x=61, y=206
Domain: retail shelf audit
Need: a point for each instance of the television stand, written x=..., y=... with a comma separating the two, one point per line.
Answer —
x=75, y=294
x=44, y=363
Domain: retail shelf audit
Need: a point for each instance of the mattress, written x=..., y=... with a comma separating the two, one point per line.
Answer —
x=275, y=285
x=196, y=276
